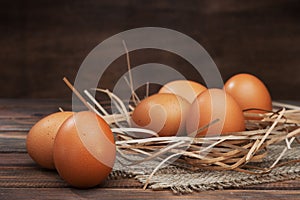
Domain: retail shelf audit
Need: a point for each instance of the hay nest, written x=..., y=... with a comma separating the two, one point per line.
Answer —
x=232, y=151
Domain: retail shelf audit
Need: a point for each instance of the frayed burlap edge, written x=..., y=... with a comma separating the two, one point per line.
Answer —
x=181, y=180
x=159, y=182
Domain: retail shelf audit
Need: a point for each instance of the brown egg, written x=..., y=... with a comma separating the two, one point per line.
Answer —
x=184, y=88
x=163, y=113
x=249, y=92
x=84, y=150
x=40, y=139
x=211, y=105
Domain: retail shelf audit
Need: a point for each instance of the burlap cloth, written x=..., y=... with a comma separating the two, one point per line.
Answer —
x=182, y=180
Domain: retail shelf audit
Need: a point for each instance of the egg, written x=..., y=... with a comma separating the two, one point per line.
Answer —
x=249, y=92
x=164, y=113
x=40, y=139
x=184, y=88
x=216, y=108
x=84, y=150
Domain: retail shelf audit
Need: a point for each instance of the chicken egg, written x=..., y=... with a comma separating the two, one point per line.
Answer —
x=216, y=112
x=164, y=113
x=249, y=92
x=184, y=88
x=84, y=150
x=40, y=139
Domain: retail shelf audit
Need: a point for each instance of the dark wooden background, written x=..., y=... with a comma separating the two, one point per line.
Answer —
x=44, y=40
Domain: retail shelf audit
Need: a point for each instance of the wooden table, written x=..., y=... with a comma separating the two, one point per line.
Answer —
x=21, y=178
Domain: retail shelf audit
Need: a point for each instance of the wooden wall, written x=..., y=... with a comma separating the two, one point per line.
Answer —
x=43, y=40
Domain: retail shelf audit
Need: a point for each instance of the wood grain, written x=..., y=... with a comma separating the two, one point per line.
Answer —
x=30, y=108
x=18, y=170
x=107, y=193
x=42, y=41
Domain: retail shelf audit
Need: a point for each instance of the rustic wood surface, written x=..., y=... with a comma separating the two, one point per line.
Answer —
x=21, y=178
x=42, y=41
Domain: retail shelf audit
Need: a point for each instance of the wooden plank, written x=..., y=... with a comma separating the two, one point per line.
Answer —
x=281, y=185
x=12, y=146
x=19, y=170
x=13, y=142
x=29, y=177
x=261, y=37
x=17, y=124
x=15, y=159
x=108, y=193
x=33, y=176
x=31, y=108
